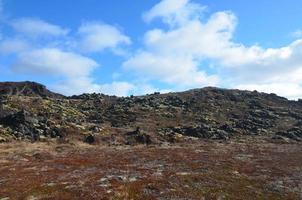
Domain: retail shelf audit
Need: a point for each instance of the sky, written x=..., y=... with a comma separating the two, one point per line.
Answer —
x=125, y=47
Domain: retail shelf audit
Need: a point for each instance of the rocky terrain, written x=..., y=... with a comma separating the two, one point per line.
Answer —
x=26, y=89
x=207, y=143
x=29, y=111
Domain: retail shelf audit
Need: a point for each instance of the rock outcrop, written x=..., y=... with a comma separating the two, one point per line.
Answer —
x=26, y=89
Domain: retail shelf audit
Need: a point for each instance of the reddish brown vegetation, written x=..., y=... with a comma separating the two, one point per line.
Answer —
x=246, y=169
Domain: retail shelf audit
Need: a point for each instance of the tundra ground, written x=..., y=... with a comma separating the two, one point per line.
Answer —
x=242, y=169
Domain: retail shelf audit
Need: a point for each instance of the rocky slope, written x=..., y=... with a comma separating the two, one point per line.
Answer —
x=29, y=111
x=26, y=88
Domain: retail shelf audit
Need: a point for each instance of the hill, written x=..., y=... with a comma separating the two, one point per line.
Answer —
x=207, y=113
x=207, y=143
x=26, y=88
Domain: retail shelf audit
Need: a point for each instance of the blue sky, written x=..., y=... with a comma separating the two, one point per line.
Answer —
x=137, y=47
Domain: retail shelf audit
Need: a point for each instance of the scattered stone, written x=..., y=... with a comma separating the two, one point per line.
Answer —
x=50, y=184
x=31, y=198
x=103, y=179
x=109, y=191
x=132, y=179
x=183, y=173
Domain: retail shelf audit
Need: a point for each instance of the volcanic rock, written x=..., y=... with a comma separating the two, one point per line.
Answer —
x=90, y=139
x=26, y=89
x=207, y=113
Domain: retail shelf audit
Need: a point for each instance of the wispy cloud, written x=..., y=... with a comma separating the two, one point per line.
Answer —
x=37, y=27
x=12, y=45
x=297, y=34
x=289, y=90
x=174, y=12
x=95, y=37
x=51, y=61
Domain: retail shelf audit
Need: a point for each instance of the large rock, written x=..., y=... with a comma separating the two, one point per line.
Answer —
x=18, y=118
x=25, y=125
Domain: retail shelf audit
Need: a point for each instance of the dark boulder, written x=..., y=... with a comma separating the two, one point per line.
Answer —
x=90, y=139
x=16, y=119
x=26, y=125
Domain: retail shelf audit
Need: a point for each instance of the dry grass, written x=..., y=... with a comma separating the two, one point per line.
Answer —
x=205, y=170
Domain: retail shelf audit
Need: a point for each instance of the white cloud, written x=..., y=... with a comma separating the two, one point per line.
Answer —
x=191, y=51
x=9, y=46
x=80, y=85
x=297, y=34
x=36, y=27
x=42, y=48
x=76, y=86
x=209, y=40
x=172, y=69
x=74, y=69
x=143, y=88
x=96, y=37
x=289, y=90
x=174, y=56
x=51, y=61
x=182, y=54
x=117, y=88
x=174, y=12
x=271, y=65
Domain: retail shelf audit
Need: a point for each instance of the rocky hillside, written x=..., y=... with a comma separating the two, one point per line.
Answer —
x=26, y=89
x=29, y=111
